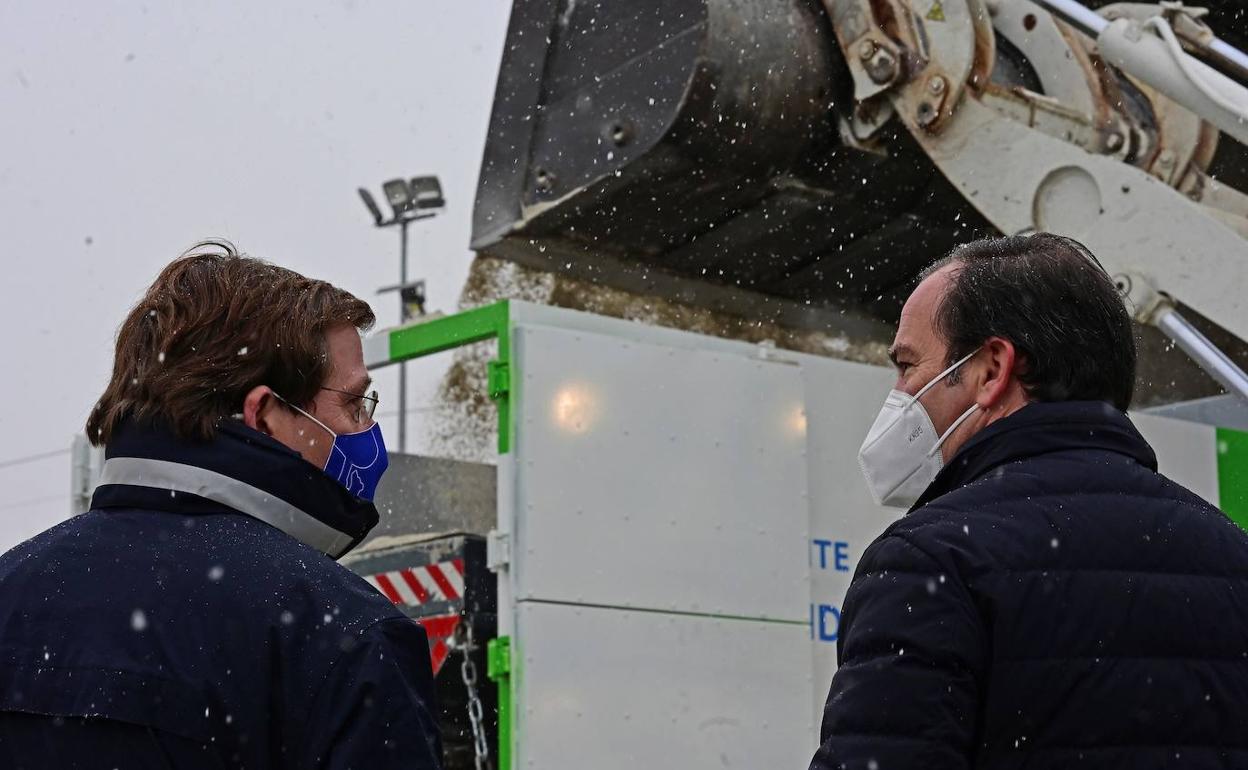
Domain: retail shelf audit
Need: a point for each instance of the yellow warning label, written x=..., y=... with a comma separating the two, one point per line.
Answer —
x=937, y=13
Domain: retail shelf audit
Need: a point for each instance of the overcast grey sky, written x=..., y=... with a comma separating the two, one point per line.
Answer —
x=131, y=129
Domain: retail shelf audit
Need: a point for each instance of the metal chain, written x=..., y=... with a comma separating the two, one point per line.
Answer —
x=476, y=713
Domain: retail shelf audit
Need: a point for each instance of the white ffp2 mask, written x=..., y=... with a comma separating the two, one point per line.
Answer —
x=900, y=456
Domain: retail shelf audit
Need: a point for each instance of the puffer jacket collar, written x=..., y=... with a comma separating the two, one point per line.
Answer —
x=1036, y=429
x=147, y=466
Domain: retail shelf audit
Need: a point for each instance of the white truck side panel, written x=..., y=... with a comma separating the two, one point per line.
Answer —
x=622, y=690
x=636, y=462
x=658, y=533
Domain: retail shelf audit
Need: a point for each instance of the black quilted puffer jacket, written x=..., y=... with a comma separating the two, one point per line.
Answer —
x=1051, y=602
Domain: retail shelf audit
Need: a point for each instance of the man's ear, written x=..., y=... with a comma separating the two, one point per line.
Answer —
x=999, y=376
x=258, y=406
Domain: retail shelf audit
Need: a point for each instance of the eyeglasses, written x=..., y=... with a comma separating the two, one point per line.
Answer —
x=365, y=404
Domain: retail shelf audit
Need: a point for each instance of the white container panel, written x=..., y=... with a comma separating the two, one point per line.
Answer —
x=618, y=689
x=659, y=478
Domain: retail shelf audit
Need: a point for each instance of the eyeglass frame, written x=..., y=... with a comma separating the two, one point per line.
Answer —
x=368, y=406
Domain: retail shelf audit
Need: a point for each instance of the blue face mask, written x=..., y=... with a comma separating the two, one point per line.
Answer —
x=356, y=460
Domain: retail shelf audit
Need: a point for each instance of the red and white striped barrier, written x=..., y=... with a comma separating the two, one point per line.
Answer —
x=414, y=586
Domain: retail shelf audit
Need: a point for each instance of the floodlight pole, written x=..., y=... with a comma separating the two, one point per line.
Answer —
x=403, y=318
x=420, y=198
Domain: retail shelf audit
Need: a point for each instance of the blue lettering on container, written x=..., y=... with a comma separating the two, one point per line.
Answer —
x=828, y=631
x=840, y=555
x=823, y=546
x=825, y=622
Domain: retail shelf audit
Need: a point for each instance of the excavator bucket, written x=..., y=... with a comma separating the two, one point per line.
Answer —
x=703, y=139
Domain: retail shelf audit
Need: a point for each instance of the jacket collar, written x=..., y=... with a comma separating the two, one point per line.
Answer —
x=146, y=466
x=1036, y=429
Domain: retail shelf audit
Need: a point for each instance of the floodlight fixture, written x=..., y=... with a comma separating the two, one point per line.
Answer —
x=419, y=198
x=426, y=192
x=399, y=195
x=372, y=206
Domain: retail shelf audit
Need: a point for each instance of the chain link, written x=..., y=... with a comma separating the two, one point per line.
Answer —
x=476, y=713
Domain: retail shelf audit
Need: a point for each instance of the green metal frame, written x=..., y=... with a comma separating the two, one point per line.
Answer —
x=1232, y=451
x=498, y=668
x=439, y=335
x=477, y=325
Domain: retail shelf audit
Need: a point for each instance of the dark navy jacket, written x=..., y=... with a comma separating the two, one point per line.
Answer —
x=1051, y=602
x=192, y=619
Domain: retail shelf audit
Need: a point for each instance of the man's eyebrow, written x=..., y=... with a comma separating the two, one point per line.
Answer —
x=899, y=350
x=360, y=387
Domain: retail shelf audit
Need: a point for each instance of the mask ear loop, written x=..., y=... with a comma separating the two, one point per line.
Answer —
x=940, y=376
x=940, y=441
x=305, y=414
x=952, y=428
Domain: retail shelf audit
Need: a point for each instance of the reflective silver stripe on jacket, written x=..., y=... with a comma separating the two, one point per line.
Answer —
x=244, y=498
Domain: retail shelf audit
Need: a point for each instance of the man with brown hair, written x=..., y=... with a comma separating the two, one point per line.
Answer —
x=194, y=617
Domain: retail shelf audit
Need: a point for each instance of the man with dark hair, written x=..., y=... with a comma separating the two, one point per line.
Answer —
x=1050, y=600
x=195, y=617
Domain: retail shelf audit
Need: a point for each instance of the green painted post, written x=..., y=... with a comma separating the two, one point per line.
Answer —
x=1233, y=474
x=498, y=668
